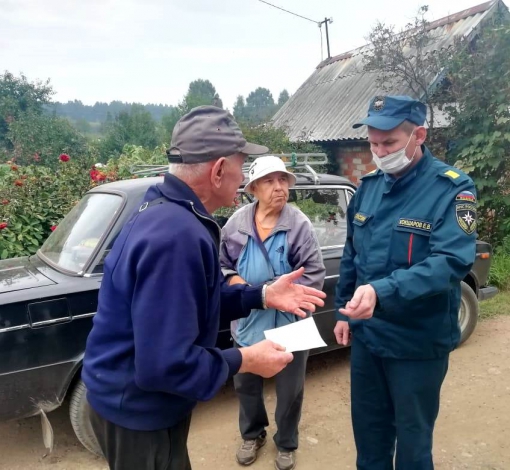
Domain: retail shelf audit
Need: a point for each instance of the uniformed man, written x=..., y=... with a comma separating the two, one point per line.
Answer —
x=411, y=240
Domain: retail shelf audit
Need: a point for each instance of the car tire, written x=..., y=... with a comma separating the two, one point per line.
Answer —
x=468, y=312
x=78, y=412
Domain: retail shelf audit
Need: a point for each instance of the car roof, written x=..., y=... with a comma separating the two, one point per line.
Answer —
x=136, y=186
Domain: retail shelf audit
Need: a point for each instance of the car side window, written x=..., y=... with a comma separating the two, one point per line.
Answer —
x=327, y=210
x=223, y=214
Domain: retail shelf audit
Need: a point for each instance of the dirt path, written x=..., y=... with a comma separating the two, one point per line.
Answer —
x=473, y=431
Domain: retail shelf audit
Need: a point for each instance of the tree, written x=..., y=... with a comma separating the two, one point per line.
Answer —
x=200, y=93
x=240, y=109
x=83, y=126
x=406, y=58
x=283, y=98
x=479, y=131
x=18, y=96
x=260, y=106
x=39, y=138
x=136, y=128
x=168, y=122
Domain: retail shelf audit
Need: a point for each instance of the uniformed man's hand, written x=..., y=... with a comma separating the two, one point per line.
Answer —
x=342, y=332
x=362, y=304
x=284, y=295
x=265, y=359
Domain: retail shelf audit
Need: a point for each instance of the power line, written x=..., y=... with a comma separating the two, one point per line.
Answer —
x=287, y=11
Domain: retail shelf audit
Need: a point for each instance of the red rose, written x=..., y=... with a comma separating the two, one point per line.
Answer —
x=64, y=158
x=101, y=177
x=5, y=201
x=3, y=225
x=18, y=183
x=14, y=168
x=53, y=227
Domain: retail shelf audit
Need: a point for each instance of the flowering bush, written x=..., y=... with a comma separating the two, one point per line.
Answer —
x=34, y=198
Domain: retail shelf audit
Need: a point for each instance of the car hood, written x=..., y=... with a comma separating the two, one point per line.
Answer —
x=19, y=274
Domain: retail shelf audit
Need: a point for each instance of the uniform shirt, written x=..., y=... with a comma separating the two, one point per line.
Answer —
x=414, y=240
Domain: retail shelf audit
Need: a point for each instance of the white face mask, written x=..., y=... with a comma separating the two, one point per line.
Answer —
x=394, y=162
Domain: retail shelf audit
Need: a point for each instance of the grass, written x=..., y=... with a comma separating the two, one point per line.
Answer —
x=499, y=305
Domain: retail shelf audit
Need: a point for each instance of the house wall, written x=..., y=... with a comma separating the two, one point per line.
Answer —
x=354, y=160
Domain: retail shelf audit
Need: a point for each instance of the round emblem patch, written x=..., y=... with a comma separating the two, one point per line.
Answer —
x=379, y=103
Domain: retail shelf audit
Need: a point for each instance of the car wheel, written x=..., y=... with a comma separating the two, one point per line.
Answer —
x=468, y=312
x=78, y=412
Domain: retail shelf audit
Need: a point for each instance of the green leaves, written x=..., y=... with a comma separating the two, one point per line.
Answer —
x=45, y=197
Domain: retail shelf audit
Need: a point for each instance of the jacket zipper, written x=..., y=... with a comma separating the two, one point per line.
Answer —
x=206, y=218
x=410, y=250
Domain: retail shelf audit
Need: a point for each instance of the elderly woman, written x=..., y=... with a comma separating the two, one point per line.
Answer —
x=260, y=242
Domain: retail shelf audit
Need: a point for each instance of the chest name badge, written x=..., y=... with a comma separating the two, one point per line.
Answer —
x=466, y=217
x=417, y=224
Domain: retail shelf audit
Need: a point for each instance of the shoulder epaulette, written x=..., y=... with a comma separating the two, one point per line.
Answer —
x=455, y=176
x=370, y=174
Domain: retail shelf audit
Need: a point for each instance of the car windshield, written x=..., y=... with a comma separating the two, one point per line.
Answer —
x=74, y=240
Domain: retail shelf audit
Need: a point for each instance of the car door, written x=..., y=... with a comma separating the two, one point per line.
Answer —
x=326, y=207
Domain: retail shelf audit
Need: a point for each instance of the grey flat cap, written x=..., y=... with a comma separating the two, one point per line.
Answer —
x=207, y=133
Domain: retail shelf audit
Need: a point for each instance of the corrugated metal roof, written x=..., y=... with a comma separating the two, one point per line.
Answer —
x=337, y=94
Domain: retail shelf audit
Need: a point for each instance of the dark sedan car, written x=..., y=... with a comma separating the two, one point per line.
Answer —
x=48, y=300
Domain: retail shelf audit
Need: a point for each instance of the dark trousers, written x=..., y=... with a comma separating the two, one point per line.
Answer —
x=290, y=383
x=394, y=400
x=126, y=449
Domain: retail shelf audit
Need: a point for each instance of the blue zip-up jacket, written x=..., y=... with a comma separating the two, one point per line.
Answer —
x=291, y=245
x=151, y=353
x=414, y=240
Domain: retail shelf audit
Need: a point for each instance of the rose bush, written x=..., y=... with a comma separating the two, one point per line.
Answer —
x=34, y=198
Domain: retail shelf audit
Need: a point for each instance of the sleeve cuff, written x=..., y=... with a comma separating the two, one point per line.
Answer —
x=384, y=293
x=253, y=297
x=340, y=317
x=234, y=359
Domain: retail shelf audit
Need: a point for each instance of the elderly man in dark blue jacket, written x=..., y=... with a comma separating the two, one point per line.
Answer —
x=411, y=240
x=151, y=354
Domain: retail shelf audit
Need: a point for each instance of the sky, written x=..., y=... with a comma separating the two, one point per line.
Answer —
x=148, y=51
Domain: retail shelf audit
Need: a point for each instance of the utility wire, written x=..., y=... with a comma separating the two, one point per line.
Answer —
x=287, y=11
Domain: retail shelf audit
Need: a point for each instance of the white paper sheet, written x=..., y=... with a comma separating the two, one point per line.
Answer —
x=298, y=336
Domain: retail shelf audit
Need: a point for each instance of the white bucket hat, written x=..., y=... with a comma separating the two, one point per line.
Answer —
x=262, y=166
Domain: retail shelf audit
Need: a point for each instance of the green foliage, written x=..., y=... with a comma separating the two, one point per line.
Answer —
x=277, y=140
x=406, y=58
x=200, y=93
x=136, y=155
x=499, y=305
x=33, y=199
x=17, y=97
x=168, y=122
x=39, y=138
x=136, y=128
x=259, y=107
x=480, y=129
x=283, y=98
x=500, y=265
x=75, y=110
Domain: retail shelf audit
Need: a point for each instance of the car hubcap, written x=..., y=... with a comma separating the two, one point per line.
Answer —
x=463, y=315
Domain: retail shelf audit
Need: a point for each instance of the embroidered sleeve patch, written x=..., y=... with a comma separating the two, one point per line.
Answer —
x=413, y=223
x=360, y=217
x=466, y=196
x=466, y=217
